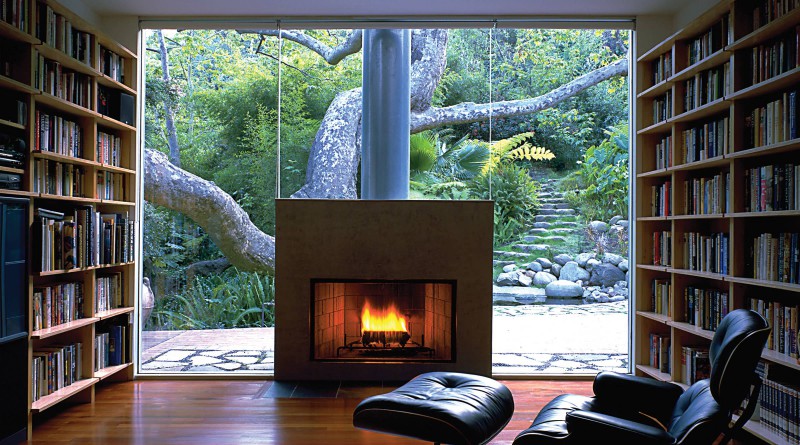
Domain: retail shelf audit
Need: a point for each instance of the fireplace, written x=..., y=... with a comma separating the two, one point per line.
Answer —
x=372, y=321
x=429, y=260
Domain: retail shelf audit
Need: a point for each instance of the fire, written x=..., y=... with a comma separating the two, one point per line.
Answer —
x=382, y=320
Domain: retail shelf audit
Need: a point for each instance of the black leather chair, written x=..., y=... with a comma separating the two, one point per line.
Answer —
x=637, y=410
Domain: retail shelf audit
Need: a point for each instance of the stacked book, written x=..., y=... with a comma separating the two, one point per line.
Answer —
x=664, y=153
x=660, y=352
x=108, y=292
x=108, y=149
x=112, y=65
x=705, y=141
x=776, y=257
x=707, y=196
x=55, y=30
x=52, y=78
x=56, y=134
x=57, y=304
x=782, y=317
x=662, y=248
x=661, y=199
x=705, y=308
x=111, y=348
x=706, y=252
x=695, y=364
x=661, y=297
x=772, y=187
x=54, y=368
x=777, y=121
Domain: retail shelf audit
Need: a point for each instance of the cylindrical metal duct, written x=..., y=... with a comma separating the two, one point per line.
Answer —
x=386, y=114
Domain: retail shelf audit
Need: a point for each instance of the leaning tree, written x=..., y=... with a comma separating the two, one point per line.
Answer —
x=334, y=155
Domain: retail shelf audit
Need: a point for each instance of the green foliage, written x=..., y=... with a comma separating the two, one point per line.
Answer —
x=515, y=197
x=440, y=171
x=232, y=300
x=600, y=186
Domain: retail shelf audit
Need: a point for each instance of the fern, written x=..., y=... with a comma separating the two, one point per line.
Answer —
x=530, y=153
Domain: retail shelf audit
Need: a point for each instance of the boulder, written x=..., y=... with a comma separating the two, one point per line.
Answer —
x=525, y=280
x=518, y=295
x=562, y=259
x=556, y=270
x=508, y=279
x=624, y=223
x=534, y=266
x=544, y=262
x=510, y=268
x=543, y=279
x=623, y=265
x=563, y=289
x=582, y=258
x=591, y=264
x=612, y=258
x=606, y=274
x=616, y=219
x=572, y=272
x=598, y=227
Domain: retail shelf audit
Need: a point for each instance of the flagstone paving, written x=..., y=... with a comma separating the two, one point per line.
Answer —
x=529, y=339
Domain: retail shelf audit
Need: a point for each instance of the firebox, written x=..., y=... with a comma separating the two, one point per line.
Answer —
x=379, y=321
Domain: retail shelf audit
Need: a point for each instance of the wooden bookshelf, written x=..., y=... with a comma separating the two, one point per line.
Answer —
x=744, y=94
x=88, y=119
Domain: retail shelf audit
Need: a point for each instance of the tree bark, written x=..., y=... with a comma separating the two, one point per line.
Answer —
x=169, y=112
x=228, y=225
x=332, y=55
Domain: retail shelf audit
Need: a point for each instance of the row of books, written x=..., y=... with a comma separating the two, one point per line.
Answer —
x=85, y=238
x=705, y=308
x=660, y=352
x=108, y=149
x=776, y=57
x=52, y=78
x=778, y=408
x=772, y=187
x=776, y=257
x=706, y=252
x=108, y=293
x=766, y=11
x=111, y=348
x=54, y=368
x=661, y=199
x=58, y=32
x=695, y=364
x=661, y=296
x=662, y=248
x=707, y=196
x=662, y=68
x=110, y=186
x=58, y=178
x=711, y=41
x=15, y=13
x=664, y=153
x=112, y=64
x=662, y=107
x=705, y=141
x=776, y=122
x=57, y=304
x=57, y=134
x=782, y=318
x=706, y=87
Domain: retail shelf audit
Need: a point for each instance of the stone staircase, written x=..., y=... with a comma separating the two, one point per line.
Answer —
x=555, y=227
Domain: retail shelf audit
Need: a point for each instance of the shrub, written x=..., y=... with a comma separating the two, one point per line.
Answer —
x=515, y=197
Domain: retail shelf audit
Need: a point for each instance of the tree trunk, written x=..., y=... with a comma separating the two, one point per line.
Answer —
x=169, y=111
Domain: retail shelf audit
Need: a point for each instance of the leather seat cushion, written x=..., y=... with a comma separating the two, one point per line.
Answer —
x=550, y=425
x=443, y=407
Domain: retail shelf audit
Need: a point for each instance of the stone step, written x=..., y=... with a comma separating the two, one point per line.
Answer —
x=552, y=218
x=544, y=239
x=563, y=205
x=502, y=262
x=542, y=225
x=548, y=206
x=552, y=201
x=566, y=223
x=518, y=295
x=556, y=211
x=563, y=230
x=545, y=195
x=538, y=231
x=528, y=248
x=508, y=254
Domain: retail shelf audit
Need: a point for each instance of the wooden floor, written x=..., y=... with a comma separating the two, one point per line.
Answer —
x=150, y=412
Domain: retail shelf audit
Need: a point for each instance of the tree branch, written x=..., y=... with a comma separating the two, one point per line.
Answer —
x=470, y=112
x=332, y=55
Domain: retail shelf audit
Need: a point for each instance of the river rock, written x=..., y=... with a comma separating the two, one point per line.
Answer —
x=556, y=270
x=562, y=259
x=543, y=279
x=510, y=268
x=572, y=272
x=563, y=289
x=598, y=227
x=606, y=274
x=582, y=258
x=508, y=279
x=616, y=219
x=534, y=266
x=612, y=258
x=623, y=265
x=591, y=264
x=544, y=262
x=525, y=280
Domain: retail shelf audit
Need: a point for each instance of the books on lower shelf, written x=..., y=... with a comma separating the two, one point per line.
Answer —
x=108, y=292
x=772, y=187
x=705, y=308
x=660, y=352
x=783, y=318
x=662, y=248
x=695, y=364
x=664, y=153
x=775, y=257
x=84, y=238
x=705, y=141
x=111, y=347
x=57, y=304
x=661, y=297
x=779, y=403
x=110, y=186
x=54, y=368
x=706, y=196
x=58, y=178
x=706, y=252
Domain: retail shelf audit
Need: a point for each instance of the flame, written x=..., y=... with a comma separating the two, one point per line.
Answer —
x=382, y=320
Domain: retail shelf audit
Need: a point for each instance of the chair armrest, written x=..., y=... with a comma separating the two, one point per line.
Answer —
x=610, y=429
x=632, y=394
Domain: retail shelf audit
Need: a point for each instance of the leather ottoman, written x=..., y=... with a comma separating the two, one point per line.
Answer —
x=440, y=407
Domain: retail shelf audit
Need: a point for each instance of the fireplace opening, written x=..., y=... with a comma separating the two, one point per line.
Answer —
x=383, y=321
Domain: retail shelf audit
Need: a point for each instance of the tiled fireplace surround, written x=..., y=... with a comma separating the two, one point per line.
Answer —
x=349, y=248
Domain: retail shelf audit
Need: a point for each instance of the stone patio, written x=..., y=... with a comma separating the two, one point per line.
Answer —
x=529, y=339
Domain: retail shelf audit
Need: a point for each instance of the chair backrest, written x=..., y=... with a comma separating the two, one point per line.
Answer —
x=734, y=353
x=704, y=410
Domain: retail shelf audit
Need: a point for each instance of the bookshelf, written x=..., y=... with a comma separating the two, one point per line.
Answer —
x=717, y=171
x=68, y=144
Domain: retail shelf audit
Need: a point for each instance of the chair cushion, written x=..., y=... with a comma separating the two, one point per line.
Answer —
x=443, y=407
x=550, y=425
